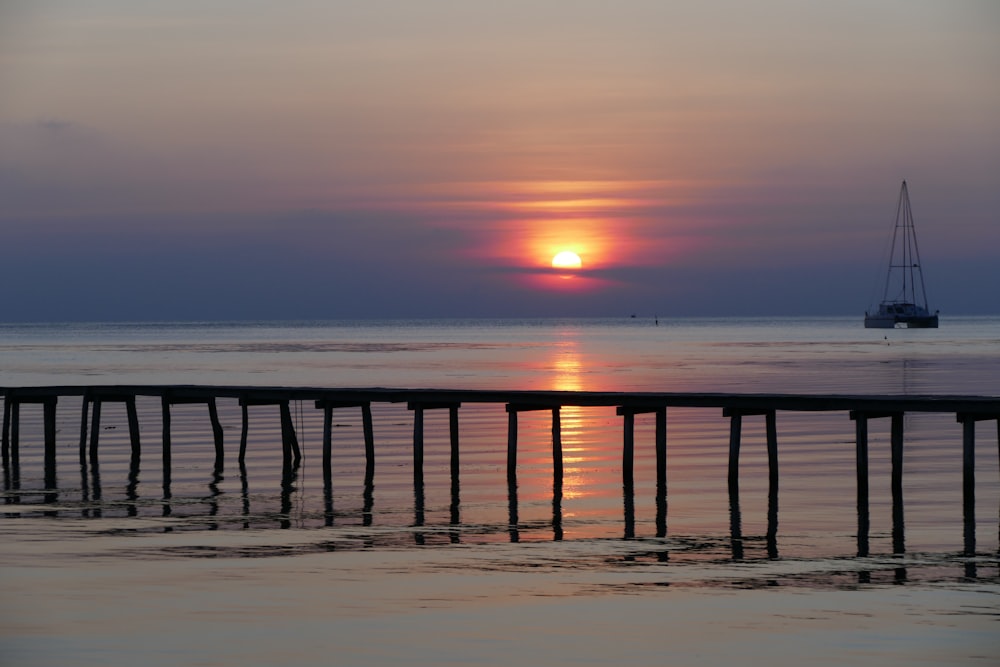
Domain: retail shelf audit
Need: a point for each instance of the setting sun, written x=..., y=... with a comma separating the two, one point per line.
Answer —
x=566, y=260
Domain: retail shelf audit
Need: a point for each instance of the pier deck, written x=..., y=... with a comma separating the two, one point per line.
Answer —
x=968, y=410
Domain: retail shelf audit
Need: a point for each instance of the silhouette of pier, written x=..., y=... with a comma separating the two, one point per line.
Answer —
x=968, y=410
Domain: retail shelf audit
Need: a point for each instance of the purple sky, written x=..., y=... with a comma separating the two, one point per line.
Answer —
x=251, y=160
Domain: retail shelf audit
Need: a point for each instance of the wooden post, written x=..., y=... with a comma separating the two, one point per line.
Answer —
x=896, y=444
x=511, y=447
x=969, y=482
x=84, y=415
x=661, y=472
x=557, y=451
x=165, y=410
x=49, y=418
x=290, y=453
x=328, y=406
x=289, y=441
x=289, y=444
x=133, y=426
x=217, y=434
x=12, y=414
x=861, y=442
x=896, y=455
x=15, y=433
x=628, y=453
x=169, y=398
x=327, y=443
x=661, y=451
x=628, y=465
x=6, y=427
x=246, y=428
x=453, y=433
x=366, y=418
x=418, y=445
x=95, y=428
x=968, y=421
x=418, y=437
x=772, y=481
x=735, y=428
x=454, y=508
x=512, y=410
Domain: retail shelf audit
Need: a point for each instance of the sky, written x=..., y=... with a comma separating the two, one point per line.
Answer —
x=249, y=160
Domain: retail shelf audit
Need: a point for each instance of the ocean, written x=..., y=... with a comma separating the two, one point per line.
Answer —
x=118, y=562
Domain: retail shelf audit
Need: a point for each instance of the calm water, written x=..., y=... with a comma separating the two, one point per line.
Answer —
x=244, y=567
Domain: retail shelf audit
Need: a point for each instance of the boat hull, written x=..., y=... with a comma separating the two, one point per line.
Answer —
x=892, y=315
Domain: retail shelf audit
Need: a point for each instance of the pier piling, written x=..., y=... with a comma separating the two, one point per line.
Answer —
x=557, y=458
x=291, y=454
x=862, y=408
x=418, y=408
x=11, y=436
x=328, y=406
x=170, y=398
x=735, y=435
x=861, y=418
x=968, y=421
x=628, y=452
x=861, y=467
x=98, y=397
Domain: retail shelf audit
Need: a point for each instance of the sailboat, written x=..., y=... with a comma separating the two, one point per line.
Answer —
x=899, y=306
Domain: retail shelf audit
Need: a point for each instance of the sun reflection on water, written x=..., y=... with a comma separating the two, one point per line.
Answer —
x=569, y=374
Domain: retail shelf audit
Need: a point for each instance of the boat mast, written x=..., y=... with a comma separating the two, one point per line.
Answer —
x=916, y=252
x=909, y=251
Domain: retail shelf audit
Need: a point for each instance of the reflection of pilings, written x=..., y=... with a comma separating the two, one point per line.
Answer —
x=629, y=504
x=557, y=496
x=213, y=496
x=557, y=462
x=290, y=452
x=84, y=489
x=95, y=478
x=367, y=510
x=366, y=417
x=735, y=526
x=131, y=492
x=245, y=494
x=176, y=398
x=98, y=398
x=328, y=512
x=968, y=421
x=512, y=517
x=288, y=478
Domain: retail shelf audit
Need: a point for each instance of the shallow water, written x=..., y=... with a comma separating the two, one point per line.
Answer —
x=242, y=566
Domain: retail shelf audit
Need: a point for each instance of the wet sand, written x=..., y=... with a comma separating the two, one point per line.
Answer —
x=472, y=605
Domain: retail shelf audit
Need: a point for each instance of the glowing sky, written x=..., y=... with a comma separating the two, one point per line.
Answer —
x=305, y=159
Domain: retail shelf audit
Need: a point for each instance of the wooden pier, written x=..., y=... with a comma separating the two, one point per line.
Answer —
x=968, y=410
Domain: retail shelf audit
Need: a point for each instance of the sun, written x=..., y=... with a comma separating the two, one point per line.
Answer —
x=566, y=260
